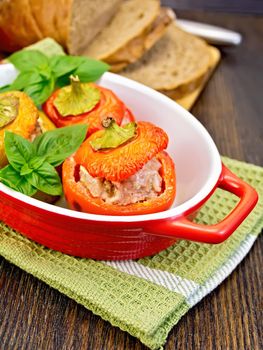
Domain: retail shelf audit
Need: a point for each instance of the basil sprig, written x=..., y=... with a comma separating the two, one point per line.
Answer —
x=32, y=164
x=39, y=74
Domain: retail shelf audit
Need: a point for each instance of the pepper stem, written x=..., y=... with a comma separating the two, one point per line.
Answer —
x=77, y=98
x=9, y=106
x=76, y=87
x=106, y=122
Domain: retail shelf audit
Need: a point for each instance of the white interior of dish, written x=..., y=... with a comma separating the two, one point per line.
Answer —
x=197, y=161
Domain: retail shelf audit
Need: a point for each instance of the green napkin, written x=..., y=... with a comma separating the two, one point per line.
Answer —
x=47, y=46
x=146, y=297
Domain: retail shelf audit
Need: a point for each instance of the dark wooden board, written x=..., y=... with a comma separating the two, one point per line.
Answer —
x=34, y=316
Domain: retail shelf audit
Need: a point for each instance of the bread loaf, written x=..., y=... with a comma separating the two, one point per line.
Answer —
x=132, y=31
x=176, y=65
x=72, y=23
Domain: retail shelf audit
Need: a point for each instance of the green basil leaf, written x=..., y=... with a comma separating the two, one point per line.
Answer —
x=11, y=178
x=26, y=60
x=45, y=72
x=63, y=81
x=33, y=164
x=62, y=65
x=5, y=88
x=41, y=91
x=40, y=74
x=58, y=144
x=26, y=78
x=18, y=150
x=46, y=179
x=36, y=162
x=26, y=169
x=87, y=69
x=90, y=70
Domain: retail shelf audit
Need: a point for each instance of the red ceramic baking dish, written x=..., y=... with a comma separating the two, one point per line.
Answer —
x=199, y=172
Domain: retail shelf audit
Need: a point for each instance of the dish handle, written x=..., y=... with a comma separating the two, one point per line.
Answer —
x=184, y=228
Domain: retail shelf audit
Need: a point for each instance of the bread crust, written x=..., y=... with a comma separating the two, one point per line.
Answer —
x=52, y=18
x=18, y=27
x=186, y=88
x=24, y=22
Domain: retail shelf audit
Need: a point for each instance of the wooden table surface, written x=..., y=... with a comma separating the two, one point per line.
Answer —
x=34, y=316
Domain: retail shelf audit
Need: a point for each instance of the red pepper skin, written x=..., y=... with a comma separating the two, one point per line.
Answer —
x=119, y=163
x=79, y=198
x=108, y=106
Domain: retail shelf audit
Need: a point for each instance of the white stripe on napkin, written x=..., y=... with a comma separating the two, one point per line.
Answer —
x=165, y=279
x=223, y=272
x=193, y=291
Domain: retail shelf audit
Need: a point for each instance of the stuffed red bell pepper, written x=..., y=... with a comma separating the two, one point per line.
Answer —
x=121, y=171
x=85, y=103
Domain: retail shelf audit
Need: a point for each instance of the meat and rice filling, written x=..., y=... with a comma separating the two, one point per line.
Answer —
x=38, y=129
x=143, y=185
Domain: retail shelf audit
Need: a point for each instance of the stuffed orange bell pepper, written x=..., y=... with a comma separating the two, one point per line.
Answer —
x=121, y=171
x=85, y=103
x=19, y=115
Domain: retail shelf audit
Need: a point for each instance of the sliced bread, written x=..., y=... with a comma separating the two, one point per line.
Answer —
x=88, y=18
x=175, y=65
x=133, y=30
x=72, y=23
